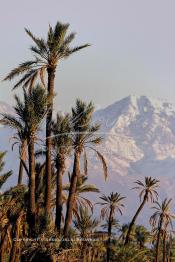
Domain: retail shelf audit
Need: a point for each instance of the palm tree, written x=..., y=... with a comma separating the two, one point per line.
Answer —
x=20, y=138
x=83, y=136
x=40, y=184
x=160, y=220
x=165, y=243
x=112, y=204
x=29, y=114
x=47, y=55
x=84, y=222
x=81, y=189
x=62, y=144
x=147, y=193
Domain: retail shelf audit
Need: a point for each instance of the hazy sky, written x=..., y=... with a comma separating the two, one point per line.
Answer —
x=132, y=52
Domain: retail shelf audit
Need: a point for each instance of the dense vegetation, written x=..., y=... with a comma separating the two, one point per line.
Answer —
x=41, y=217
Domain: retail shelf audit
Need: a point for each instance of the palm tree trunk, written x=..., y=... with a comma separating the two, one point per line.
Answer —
x=164, y=247
x=15, y=244
x=170, y=249
x=13, y=251
x=158, y=240
x=51, y=78
x=3, y=242
x=16, y=248
x=2, y=247
x=22, y=159
x=109, y=236
x=20, y=174
x=134, y=219
x=31, y=213
x=60, y=172
x=72, y=190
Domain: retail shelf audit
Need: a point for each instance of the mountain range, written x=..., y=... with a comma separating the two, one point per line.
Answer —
x=139, y=141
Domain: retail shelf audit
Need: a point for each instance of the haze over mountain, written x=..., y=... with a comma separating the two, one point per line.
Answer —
x=139, y=140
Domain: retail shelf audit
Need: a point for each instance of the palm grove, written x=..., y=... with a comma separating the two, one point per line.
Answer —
x=44, y=207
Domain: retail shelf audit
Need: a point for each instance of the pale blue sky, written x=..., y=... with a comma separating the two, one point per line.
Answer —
x=133, y=47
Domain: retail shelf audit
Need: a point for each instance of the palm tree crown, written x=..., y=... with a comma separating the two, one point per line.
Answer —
x=84, y=222
x=147, y=188
x=85, y=133
x=112, y=203
x=47, y=54
x=62, y=141
x=162, y=212
x=29, y=113
x=81, y=188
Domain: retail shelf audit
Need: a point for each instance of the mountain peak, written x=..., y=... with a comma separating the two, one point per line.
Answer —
x=147, y=101
x=134, y=105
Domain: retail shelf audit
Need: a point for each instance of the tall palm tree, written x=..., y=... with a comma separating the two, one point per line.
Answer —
x=147, y=193
x=112, y=204
x=47, y=55
x=160, y=219
x=83, y=136
x=62, y=144
x=29, y=115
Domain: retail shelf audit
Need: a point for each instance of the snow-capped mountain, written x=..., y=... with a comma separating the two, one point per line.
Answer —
x=139, y=141
x=139, y=136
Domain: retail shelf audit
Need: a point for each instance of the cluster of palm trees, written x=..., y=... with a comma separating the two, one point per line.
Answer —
x=42, y=204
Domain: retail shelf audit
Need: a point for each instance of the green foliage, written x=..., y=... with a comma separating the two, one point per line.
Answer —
x=29, y=113
x=130, y=254
x=84, y=222
x=5, y=176
x=81, y=189
x=62, y=140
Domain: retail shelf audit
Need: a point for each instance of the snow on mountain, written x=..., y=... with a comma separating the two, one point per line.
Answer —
x=139, y=136
x=139, y=141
